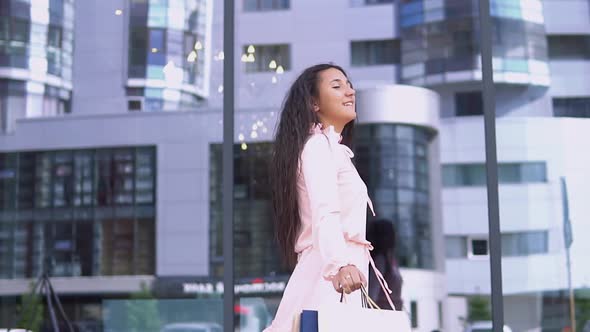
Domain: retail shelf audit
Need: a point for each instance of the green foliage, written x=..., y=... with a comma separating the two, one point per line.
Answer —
x=30, y=311
x=478, y=309
x=582, y=313
x=142, y=311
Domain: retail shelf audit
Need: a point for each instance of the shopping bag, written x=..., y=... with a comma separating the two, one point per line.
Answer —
x=309, y=321
x=342, y=317
x=346, y=318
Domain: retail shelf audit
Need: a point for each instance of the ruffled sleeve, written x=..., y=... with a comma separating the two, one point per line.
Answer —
x=320, y=173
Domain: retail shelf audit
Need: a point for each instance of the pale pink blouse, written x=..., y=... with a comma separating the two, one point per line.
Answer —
x=333, y=205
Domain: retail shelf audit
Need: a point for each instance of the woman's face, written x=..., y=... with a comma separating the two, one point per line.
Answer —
x=335, y=104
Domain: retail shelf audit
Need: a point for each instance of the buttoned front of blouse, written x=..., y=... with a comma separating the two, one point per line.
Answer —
x=333, y=203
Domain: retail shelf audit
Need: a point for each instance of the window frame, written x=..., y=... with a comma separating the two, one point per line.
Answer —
x=269, y=51
x=470, y=254
x=261, y=6
x=372, y=52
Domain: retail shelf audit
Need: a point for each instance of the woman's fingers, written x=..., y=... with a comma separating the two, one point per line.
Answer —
x=356, y=279
x=336, y=284
x=363, y=279
x=346, y=284
x=348, y=279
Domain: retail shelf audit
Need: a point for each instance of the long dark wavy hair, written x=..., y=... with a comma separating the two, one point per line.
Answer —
x=293, y=130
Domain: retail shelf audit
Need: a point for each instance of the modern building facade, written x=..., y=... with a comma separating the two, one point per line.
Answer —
x=37, y=57
x=110, y=152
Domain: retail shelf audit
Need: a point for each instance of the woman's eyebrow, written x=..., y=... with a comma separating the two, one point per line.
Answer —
x=340, y=81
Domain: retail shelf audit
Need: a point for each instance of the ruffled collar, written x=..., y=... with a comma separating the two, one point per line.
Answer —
x=330, y=132
x=333, y=136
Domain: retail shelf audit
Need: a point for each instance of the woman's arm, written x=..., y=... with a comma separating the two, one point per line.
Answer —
x=320, y=173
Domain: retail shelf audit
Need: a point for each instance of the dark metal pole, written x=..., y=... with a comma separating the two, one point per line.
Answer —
x=228, y=165
x=489, y=106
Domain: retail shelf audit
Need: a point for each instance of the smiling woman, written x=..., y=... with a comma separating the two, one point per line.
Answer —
x=319, y=200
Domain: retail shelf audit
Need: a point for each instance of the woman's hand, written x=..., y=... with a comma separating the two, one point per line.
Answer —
x=348, y=279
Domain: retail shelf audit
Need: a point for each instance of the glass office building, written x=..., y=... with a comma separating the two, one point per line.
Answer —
x=111, y=172
x=78, y=212
x=169, y=53
x=441, y=44
x=36, y=55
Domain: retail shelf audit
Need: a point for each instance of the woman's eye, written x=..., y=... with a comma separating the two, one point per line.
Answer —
x=336, y=86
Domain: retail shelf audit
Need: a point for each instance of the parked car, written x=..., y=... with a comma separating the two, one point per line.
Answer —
x=483, y=326
x=192, y=327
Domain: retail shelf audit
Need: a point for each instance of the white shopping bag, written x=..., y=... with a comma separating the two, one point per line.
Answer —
x=342, y=317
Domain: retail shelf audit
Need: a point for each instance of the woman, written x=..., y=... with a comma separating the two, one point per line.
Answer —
x=319, y=200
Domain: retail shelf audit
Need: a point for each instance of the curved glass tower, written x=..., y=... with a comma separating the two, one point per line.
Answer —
x=440, y=42
x=393, y=160
x=168, y=67
x=36, y=45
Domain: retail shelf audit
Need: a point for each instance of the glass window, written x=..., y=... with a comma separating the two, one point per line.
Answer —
x=117, y=247
x=8, y=178
x=435, y=66
x=508, y=173
x=468, y=103
x=157, y=14
x=571, y=107
x=54, y=36
x=397, y=180
x=138, y=50
x=54, y=63
x=26, y=180
x=20, y=30
x=377, y=2
x=4, y=28
x=478, y=247
x=525, y=243
x=375, y=52
x=533, y=172
x=267, y=58
x=138, y=13
x=157, y=49
x=563, y=47
x=405, y=132
x=474, y=175
x=265, y=5
x=56, y=10
x=43, y=180
x=252, y=209
x=456, y=246
x=63, y=181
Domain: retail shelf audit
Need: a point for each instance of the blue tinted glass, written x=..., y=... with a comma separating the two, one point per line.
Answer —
x=157, y=51
x=412, y=8
x=510, y=12
x=516, y=65
x=155, y=72
x=157, y=16
x=412, y=20
x=157, y=39
x=153, y=93
x=158, y=59
x=153, y=104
